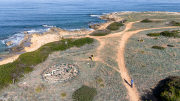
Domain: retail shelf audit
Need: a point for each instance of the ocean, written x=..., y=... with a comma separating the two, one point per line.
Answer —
x=38, y=16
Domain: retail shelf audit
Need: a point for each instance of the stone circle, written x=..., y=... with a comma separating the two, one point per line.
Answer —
x=60, y=73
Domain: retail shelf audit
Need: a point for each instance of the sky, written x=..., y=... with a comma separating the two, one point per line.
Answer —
x=160, y=1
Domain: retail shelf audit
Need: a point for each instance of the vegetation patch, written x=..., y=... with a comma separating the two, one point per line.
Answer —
x=174, y=23
x=153, y=34
x=84, y=93
x=170, y=33
x=63, y=94
x=146, y=21
x=100, y=32
x=102, y=85
x=27, y=61
x=141, y=40
x=158, y=47
x=168, y=89
x=114, y=26
x=99, y=80
x=39, y=88
x=174, y=33
x=156, y=38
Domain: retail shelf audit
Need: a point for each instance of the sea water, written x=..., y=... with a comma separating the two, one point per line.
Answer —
x=17, y=16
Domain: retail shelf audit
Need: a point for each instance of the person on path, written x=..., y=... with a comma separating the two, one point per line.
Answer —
x=132, y=81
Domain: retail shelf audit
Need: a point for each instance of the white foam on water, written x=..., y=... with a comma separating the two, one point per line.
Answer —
x=48, y=26
x=16, y=39
x=92, y=15
x=37, y=31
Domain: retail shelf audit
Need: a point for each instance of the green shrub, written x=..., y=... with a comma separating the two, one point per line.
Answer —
x=174, y=23
x=158, y=47
x=39, y=88
x=114, y=26
x=63, y=94
x=141, y=40
x=100, y=32
x=168, y=89
x=83, y=41
x=170, y=33
x=174, y=33
x=146, y=21
x=84, y=93
x=102, y=85
x=153, y=34
x=27, y=61
x=99, y=80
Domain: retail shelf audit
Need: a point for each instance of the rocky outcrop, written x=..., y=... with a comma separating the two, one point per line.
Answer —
x=60, y=31
x=111, y=17
x=25, y=32
x=9, y=43
x=16, y=49
x=95, y=26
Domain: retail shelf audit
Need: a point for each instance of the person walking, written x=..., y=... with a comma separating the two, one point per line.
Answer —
x=132, y=81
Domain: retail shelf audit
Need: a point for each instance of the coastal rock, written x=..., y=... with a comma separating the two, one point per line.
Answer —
x=1, y=58
x=9, y=43
x=25, y=32
x=111, y=17
x=95, y=26
x=17, y=48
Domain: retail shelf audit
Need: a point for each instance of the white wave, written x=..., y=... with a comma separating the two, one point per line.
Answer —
x=3, y=41
x=37, y=31
x=48, y=26
x=105, y=13
x=74, y=29
x=16, y=39
x=92, y=15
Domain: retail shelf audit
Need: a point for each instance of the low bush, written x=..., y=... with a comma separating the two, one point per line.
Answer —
x=40, y=88
x=84, y=93
x=168, y=89
x=158, y=47
x=141, y=40
x=99, y=80
x=174, y=33
x=153, y=34
x=174, y=23
x=100, y=32
x=114, y=26
x=146, y=21
x=27, y=61
x=170, y=34
x=63, y=94
x=102, y=85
